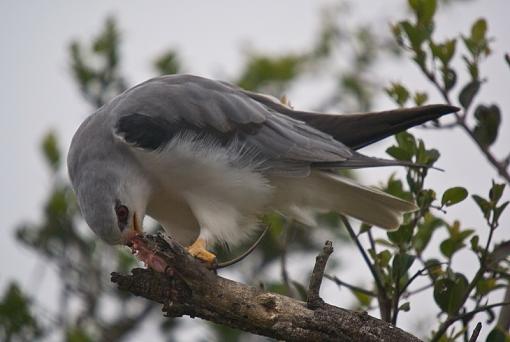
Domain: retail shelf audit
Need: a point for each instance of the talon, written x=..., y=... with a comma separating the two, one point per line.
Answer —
x=199, y=251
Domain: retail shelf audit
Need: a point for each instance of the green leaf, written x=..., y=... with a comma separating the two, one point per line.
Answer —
x=453, y=196
x=425, y=198
x=455, y=242
x=485, y=206
x=475, y=241
x=425, y=230
x=406, y=141
x=405, y=307
x=449, y=293
x=498, y=335
x=51, y=151
x=499, y=210
x=485, y=285
x=432, y=156
x=263, y=71
x=383, y=258
x=479, y=30
x=395, y=187
x=398, y=93
x=477, y=43
x=500, y=252
x=399, y=153
x=496, y=192
x=363, y=298
x=424, y=10
x=468, y=93
x=420, y=98
x=434, y=268
x=401, y=236
x=107, y=43
x=77, y=335
x=168, y=63
x=401, y=264
x=16, y=318
x=449, y=78
x=444, y=51
x=449, y=246
x=415, y=35
x=487, y=126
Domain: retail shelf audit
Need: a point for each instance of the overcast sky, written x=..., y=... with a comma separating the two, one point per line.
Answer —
x=38, y=94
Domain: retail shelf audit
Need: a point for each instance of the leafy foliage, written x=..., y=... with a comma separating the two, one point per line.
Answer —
x=17, y=322
x=452, y=289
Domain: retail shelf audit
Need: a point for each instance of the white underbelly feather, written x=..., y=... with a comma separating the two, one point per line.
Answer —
x=223, y=198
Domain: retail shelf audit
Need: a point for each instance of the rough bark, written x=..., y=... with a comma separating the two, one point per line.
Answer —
x=189, y=288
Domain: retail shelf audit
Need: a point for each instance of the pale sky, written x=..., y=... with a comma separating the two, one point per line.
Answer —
x=38, y=94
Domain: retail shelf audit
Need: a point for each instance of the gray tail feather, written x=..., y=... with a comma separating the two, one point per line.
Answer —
x=360, y=130
x=359, y=160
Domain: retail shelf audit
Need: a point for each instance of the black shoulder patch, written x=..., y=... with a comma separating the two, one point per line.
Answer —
x=145, y=131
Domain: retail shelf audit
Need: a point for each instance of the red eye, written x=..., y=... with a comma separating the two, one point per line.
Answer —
x=122, y=213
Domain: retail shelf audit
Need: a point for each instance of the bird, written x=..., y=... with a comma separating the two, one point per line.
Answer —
x=206, y=159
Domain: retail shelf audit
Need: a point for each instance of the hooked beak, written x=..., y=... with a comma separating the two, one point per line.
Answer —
x=129, y=234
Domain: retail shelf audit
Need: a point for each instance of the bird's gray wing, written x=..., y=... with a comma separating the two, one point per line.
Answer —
x=360, y=129
x=151, y=114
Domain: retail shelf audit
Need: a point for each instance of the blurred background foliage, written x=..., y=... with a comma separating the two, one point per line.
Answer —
x=91, y=309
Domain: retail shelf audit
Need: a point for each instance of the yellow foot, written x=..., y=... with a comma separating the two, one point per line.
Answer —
x=199, y=251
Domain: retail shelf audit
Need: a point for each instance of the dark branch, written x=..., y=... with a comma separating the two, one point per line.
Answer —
x=313, y=299
x=476, y=332
x=197, y=291
x=351, y=287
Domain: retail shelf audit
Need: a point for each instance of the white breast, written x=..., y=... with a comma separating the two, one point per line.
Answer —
x=207, y=187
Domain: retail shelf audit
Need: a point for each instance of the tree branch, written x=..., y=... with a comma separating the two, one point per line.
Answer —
x=313, y=299
x=196, y=291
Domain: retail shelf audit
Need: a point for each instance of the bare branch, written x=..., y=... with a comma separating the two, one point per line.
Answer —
x=197, y=291
x=446, y=324
x=476, y=332
x=355, y=288
x=313, y=299
x=382, y=297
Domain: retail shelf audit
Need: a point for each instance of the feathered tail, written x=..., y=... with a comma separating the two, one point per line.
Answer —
x=328, y=191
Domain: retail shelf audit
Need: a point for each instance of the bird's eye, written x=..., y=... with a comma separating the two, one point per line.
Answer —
x=122, y=213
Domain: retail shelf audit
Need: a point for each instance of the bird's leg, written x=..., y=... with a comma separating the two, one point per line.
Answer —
x=199, y=251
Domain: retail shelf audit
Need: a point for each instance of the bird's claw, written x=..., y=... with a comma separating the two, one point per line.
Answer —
x=199, y=251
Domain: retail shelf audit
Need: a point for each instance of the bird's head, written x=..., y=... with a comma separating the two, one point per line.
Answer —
x=113, y=203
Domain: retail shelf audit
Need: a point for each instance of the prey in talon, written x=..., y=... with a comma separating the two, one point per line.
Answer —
x=206, y=159
x=148, y=256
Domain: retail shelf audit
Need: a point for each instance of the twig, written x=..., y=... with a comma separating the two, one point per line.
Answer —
x=396, y=299
x=442, y=329
x=384, y=302
x=504, y=315
x=417, y=274
x=418, y=290
x=283, y=260
x=476, y=332
x=313, y=300
x=452, y=318
x=363, y=252
x=355, y=288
